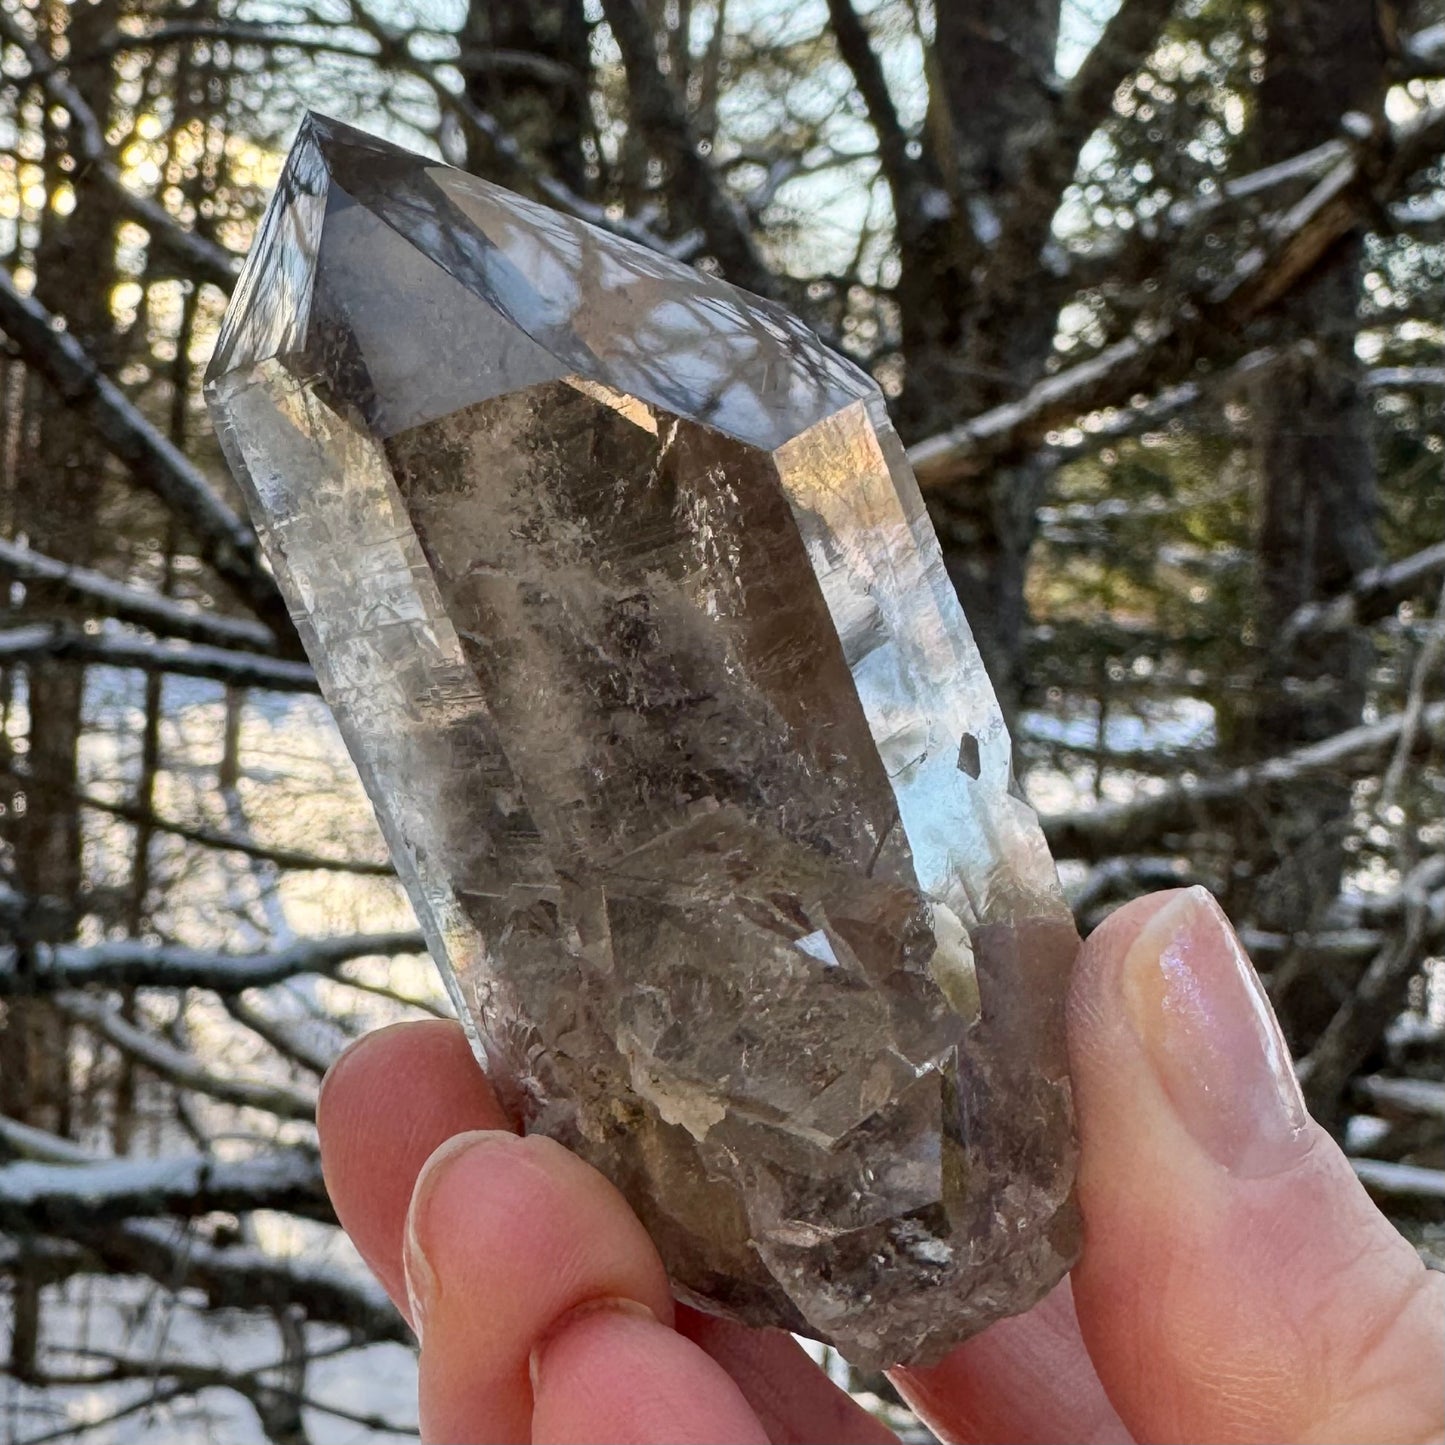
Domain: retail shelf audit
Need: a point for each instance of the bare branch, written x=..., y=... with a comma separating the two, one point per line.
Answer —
x=291, y=858
x=696, y=186
x=1124, y=45
x=1116, y=828
x=858, y=55
x=519, y=168
x=129, y=963
x=226, y=542
x=235, y=669
x=232, y=32
x=525, y=174
x=103, y=596
x=279, y=1035
x=1364, y=1015
x=1027, y=215
x=58, y=1198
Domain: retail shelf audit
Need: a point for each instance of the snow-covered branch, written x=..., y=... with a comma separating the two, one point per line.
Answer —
x=60, y=1198
x=1162, y=349
x=226, y=542
x=1372, y=595
x=229, y=1277
x=218, y=664
x=1407, y=1098
x=132, y=963
x=103, y=596
x=183, y=1069
x=1399, y=1181
x=1115, y=828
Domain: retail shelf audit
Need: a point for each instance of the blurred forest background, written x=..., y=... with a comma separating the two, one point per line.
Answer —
x=1156, y=289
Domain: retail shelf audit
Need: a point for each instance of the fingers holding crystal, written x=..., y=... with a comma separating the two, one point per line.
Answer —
x=793, y=1397
x=1025, y=1379
x=387, y=1103
x=505, y=1237
x=1236, y=1282
x=610, y=1371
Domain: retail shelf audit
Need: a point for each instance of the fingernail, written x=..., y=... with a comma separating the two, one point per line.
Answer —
x=422, y=1283
x=612, y=1304
x=1197, y=1006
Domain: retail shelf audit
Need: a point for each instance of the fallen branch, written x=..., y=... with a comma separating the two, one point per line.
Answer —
x=130, y=963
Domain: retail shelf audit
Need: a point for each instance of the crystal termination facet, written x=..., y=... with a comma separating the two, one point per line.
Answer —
x=627, y=605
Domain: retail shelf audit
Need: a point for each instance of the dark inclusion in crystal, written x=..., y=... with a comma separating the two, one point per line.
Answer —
x=628, y=607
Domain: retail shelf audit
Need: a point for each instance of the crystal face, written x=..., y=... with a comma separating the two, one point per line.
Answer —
x=627, y=605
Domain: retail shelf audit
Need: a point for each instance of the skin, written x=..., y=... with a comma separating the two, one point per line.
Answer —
x=1236, y=1283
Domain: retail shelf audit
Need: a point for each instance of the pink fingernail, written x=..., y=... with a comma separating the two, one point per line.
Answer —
x=1197, y=1005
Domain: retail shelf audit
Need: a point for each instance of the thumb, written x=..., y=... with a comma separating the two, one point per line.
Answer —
x=1236, y=1282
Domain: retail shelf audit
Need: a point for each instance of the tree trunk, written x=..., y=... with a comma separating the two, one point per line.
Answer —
x=526, y=63
x=58, y=483
x=1317, y=523
x=994, y=66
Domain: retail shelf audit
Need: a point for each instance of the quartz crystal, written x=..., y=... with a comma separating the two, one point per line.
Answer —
x=628, y=607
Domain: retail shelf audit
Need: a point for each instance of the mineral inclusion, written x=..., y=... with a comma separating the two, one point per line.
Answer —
x=626, y=602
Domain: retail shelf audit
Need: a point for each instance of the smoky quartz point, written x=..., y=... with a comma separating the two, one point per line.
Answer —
x=626, y=602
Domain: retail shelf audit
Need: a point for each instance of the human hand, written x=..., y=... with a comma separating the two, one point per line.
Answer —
x=1236, y=1283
